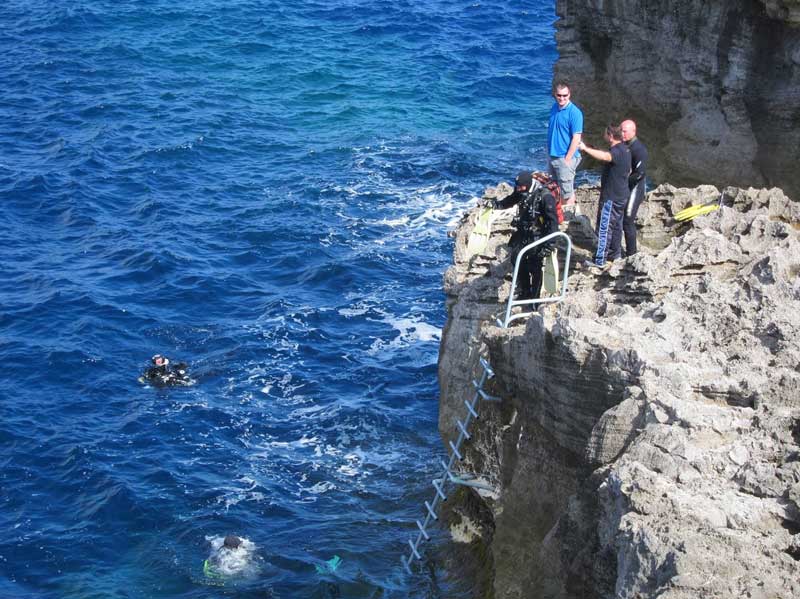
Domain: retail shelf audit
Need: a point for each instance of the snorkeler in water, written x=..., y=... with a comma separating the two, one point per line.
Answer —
x=230, y=556
x=164, y=374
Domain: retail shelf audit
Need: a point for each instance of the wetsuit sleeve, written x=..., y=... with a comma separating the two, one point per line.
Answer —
x=638, y=164
x=508, y=201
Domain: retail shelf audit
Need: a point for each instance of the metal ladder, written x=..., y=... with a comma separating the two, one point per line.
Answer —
x=448, y=476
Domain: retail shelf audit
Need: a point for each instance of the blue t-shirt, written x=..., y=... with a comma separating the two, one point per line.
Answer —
x=564, y=123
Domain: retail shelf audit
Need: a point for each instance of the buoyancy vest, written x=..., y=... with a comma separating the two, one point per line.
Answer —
x=552, y=186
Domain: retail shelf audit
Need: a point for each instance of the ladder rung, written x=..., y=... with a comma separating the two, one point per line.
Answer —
x=422, y=530
x=430, y=511
x=413, y=550
x=486, y=397
x=469, y=483
x=437, y=485
x=463, y=429
x=487, y=367
x=406, y=563
x=455, y=451
x=446, y=468
x=460, y=478
x=471, y=409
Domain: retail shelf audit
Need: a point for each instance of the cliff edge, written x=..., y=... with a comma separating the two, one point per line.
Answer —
x=648, y=441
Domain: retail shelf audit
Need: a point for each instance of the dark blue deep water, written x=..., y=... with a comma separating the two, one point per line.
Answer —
x=263, y=189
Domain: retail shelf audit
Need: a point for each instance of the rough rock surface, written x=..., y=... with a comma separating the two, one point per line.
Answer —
x=648, y=441
x=714, y=86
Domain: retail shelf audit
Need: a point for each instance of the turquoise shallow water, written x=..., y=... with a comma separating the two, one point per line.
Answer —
x=261, y=189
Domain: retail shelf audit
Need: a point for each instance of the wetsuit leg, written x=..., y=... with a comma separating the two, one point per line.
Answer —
x=524, y=277
x=629, y=221
x=537, y=262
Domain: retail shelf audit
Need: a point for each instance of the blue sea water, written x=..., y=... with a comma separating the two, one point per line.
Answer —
x=262, y=189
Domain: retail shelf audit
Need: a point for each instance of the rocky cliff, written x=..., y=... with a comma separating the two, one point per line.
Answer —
x=714, y=86
x=648, y=441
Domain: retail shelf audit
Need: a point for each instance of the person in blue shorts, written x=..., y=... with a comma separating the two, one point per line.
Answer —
x=614, y=194
x=563, y=140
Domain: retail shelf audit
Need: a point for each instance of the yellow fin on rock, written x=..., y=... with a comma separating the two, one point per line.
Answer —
x=550, y=282
x=479, y=238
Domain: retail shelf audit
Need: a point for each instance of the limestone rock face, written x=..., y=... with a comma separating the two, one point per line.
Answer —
x=714, y=86
x=648, y=441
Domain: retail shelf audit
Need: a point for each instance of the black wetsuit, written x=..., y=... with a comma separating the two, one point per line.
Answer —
x=636, y=183
x=167, y=375
x=536, y=218
x=614, y=194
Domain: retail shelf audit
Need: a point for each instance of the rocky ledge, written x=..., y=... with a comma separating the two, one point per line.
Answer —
x=648, y=440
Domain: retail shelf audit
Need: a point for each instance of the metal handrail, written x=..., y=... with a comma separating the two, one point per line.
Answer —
x=539, y=300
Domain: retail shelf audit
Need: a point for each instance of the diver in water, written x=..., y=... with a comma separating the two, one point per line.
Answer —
x=231, y=542
x=231, y=556
x=164, y=374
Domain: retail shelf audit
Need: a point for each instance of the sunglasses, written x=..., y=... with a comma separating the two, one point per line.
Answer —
x=562, y=95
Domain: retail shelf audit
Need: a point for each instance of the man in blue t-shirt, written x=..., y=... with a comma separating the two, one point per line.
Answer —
x=614, y=194
x=563, y=136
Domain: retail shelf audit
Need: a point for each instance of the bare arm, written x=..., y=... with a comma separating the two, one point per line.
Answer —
x=596, y=154
x=573, y=146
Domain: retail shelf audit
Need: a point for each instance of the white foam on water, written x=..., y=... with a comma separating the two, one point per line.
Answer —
x=301, y=443
x=352, y=312
x=411, y=331
x=321, y=487
x=348, y=470
x=434, y=214
x=241, y=561
x=234, y=496
x=394, y=222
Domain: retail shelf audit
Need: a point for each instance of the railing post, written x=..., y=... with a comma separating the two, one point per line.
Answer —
x=546, y=300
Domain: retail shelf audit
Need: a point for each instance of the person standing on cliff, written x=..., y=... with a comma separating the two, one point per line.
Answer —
x=614, y=194
x=636, y=183
x=537, y=217
x=563, y=138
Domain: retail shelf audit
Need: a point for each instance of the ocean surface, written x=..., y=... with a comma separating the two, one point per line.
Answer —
x=262, y=189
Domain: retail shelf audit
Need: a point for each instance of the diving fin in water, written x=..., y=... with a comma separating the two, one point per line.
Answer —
x=330, y=566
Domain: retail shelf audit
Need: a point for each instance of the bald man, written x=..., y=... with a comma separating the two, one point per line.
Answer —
x=636, y=183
